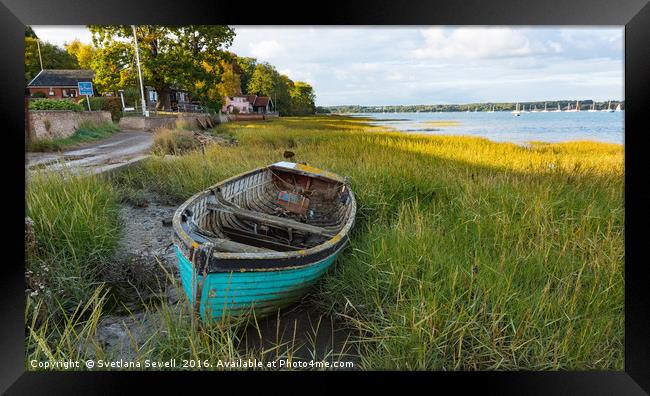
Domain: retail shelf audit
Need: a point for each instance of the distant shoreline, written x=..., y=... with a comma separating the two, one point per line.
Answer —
x=471, y=107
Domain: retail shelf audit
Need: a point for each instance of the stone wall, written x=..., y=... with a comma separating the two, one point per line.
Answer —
x=251, y=117
x=49, y=124
x=141, y=123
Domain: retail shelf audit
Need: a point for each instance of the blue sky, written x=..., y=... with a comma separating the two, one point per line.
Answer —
x=427, y=65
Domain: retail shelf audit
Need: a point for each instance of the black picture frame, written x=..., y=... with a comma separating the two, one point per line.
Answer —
x=633, y=14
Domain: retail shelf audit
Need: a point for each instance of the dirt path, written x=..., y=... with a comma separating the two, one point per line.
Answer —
x=119, y=149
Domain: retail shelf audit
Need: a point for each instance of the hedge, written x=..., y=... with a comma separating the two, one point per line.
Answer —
x=107, y=103
x=54, y=104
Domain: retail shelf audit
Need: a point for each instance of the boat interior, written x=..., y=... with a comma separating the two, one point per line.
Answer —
x=271, y=210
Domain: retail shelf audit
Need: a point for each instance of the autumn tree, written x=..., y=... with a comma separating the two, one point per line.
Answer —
x=82, y=52
x=170, y=56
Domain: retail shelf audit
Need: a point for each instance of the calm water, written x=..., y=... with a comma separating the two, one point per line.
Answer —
x=505, y=127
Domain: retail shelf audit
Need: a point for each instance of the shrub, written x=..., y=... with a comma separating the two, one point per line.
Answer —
x=54, y=104
x=106, y=103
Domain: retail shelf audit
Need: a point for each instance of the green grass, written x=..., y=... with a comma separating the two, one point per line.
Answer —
x=87, y=132
x=466, y=254
x=76, y=229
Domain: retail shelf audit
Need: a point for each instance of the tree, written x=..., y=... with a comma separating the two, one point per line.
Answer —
x=170, y=56
x=245, y=67
x=230, y=81
x=266, y=81
x=302, y=99
x=114, y=67
x=82, y=52
x=53, y=57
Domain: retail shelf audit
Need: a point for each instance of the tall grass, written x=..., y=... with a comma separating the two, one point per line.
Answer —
x=76, y=228
x=466, y=254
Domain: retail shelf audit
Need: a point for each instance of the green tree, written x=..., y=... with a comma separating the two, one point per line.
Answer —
x=170, y=56
x=245, y=67
x=114, y=67
x=53, y=57
x=302, y=99
x=266, y=81
x=82, y=52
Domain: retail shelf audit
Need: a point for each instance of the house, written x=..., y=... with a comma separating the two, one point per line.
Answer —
x=59, y=84
x=247, y=104
x=179, y=99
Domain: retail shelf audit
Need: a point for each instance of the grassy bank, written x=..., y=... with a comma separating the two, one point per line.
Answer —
x=466, y=254
x=87, y=132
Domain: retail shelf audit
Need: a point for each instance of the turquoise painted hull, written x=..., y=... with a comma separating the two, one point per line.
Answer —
x=235, y=293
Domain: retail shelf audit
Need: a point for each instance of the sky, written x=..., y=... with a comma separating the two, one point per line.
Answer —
x=431, y=64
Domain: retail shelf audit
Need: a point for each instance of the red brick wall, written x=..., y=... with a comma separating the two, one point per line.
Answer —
x=58, y=92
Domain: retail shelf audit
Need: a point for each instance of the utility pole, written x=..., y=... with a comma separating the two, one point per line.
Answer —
x=39, y=52
x=137, y=59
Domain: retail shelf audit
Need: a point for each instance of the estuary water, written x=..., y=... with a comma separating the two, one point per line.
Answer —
x=506, y=127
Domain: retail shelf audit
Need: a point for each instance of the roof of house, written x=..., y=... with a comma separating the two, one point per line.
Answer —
x=261, y=101
x=61, y=77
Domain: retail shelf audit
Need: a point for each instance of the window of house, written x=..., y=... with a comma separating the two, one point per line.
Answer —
x=51, y=93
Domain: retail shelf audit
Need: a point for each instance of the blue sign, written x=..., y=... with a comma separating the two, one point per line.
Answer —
x=85, y=88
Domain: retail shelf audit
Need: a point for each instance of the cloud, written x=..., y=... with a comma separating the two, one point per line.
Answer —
x=477, y=43
x=266, y=49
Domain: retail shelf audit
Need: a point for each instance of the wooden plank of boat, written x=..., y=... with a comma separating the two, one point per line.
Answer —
x=225, y=245
x=271, y=220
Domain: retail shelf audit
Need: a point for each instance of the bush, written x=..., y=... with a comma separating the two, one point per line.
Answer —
x=105, y=103
x=54, y=104
x=174, y=141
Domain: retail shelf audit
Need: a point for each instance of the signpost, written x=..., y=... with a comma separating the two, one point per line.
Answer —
x=86, y=88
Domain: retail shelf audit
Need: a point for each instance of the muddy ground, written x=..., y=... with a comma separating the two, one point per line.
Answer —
x=137, y=278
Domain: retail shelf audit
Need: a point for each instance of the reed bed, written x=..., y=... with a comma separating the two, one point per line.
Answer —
x=467, y=254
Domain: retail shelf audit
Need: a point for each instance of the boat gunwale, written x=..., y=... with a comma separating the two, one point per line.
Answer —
x=189, y=241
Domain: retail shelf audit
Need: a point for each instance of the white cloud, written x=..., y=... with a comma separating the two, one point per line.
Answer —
x=266, y=49
x=475, y=43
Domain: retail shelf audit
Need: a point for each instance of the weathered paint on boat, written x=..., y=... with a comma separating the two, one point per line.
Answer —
x=232, y=284
x=230, y=293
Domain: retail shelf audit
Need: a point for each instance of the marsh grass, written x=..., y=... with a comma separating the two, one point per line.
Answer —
x=76, y=228
x=466, y=254
x=174, y=141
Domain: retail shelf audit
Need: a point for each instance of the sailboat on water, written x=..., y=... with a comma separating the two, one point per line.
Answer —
x=545, y=109
x=517, y=112
x=491, y=109
x=618, y=107
x=609, y=107
x=571, y=110
x=559, y=109
x=593, y=108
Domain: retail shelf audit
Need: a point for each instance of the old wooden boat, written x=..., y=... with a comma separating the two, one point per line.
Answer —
x=259, y=240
